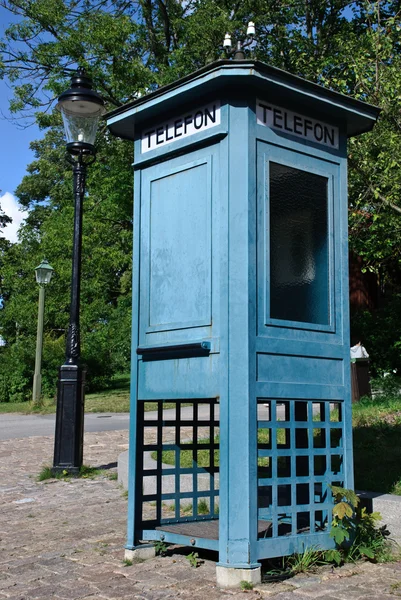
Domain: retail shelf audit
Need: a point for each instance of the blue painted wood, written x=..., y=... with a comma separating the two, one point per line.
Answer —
x=179, y=218
x=173, y=538
x=133, y=476
x=235, y=543
x=214, y=79
x=203, y=273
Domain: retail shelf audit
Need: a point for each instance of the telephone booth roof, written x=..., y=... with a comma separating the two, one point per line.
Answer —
x=224, y=77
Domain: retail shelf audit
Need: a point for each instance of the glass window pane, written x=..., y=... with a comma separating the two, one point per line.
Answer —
x=299, y=256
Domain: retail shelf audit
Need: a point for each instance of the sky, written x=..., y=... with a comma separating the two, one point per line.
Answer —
x=15, y=155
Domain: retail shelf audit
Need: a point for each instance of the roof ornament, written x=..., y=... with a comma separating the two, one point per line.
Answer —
x=238, y=52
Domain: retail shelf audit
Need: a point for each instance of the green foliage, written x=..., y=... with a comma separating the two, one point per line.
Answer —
x=194, y=560
x=106, y=277
x=303, y=562
x=85, y=472
x=355, y=530
x=381, y=336
x=376, y=435
x=133, y=48
x=127, y=562
x=160, y=548
x=46, y=473
x=203, y=507
x=395, y=588
x=246, y=586
x=16, y=371
x=333, y=556
x=343, y=524
x=186, y=456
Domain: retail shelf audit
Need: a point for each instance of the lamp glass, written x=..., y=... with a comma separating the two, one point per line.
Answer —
x=251, y=28
x=44, y=273
x=80, y=119
x=227, y=41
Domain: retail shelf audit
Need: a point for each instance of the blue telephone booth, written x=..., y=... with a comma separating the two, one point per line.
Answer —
x=240, y=312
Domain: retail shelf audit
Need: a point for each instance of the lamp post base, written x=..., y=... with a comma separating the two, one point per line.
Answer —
x=68, y=447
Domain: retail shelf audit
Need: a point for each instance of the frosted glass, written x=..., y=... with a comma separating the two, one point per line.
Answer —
x=299, y=269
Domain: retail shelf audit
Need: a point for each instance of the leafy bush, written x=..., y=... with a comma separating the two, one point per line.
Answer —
x=17, y=364
x=16, y=372
x=355, y=530
x=380, y=333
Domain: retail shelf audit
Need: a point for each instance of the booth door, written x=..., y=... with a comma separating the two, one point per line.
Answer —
x=302, y=342
x=179, y=300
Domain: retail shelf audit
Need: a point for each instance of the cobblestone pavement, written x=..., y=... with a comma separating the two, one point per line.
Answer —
x=65, y=540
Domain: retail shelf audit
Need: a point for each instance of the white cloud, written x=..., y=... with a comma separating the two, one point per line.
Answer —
x=9, y=205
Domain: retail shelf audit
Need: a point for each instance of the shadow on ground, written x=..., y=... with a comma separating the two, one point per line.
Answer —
x=377, y=457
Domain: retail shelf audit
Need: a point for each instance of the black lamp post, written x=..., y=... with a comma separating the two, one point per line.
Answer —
x=81, y=107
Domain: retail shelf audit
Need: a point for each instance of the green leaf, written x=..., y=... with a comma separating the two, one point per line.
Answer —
x=333, y=556
x=342, y=509
x=364, y=551
x=339, y=535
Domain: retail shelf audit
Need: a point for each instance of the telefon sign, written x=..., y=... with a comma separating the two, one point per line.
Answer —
x=181, y=127
x=281, y=119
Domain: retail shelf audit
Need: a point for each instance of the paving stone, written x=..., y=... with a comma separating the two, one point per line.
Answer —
x=324, y=597
x=351, y=592
x=381, y=597
x=301, y=581
x=289, y=596
x=67, y=543
x=316, y=590
x=267, y=591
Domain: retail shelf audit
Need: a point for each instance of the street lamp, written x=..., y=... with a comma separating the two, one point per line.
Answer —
x=241, y=45
x=80, y=107
x=43, y=273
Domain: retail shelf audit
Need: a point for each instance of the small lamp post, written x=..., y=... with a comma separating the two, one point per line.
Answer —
x=43, y=273
x=81, y=107
x=241, y=45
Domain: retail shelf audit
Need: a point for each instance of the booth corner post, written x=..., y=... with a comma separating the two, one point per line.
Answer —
x=80, y=107
x=43, y=274
x=240, y=315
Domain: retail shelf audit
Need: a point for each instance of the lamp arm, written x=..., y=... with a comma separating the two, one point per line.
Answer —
x=240, y=45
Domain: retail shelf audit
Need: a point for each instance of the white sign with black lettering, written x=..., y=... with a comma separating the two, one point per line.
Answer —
x=281, y=119
x=181, y=127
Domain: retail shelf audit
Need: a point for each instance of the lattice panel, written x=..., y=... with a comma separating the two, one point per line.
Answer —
x=300, y=453
x=187, y=437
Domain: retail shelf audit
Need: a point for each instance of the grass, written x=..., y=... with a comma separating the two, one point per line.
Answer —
x=395, y=588
x=84, y=473
x=116, y=399
x=168, y=456
x=127, y=562
x=246, y=585
x=377, y=446
x=305, y=561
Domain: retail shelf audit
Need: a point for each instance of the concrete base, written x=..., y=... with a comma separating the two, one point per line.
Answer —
x=228, y=577
x=122, y=469
x=144, y=552
x=389, y=506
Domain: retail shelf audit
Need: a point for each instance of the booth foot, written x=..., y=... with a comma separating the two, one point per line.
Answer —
x=144, y=552
x=229, y=577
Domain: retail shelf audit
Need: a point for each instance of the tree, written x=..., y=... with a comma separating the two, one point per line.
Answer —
x=131, y=48
x=106, y=264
